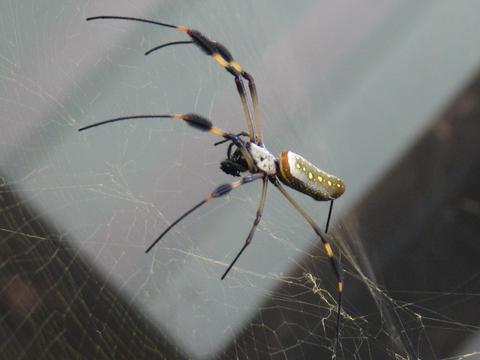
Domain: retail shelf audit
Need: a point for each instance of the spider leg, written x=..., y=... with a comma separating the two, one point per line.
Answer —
x=132, y=19
x=194, y=120
x=254, y=96
x=167, y=44
x=336, y=265
x=221, y=55
x=329, y=216
x=218, y=192
x=258, y=216
x=198, y=122
x=246, y=112
x=243, y=133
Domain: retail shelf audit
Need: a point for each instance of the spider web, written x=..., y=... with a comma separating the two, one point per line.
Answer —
x=79, y=209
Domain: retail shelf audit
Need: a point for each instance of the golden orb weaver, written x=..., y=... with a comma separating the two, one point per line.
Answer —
x=251, y=155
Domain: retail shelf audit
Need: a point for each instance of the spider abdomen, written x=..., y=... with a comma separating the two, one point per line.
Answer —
x=300, y=174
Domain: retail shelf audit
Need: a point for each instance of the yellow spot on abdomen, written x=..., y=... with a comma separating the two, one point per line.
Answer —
x=329, y=183
x=310, y=175
x=298, y=165
x=319, y=178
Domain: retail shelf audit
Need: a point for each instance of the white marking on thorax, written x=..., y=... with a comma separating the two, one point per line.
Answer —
x=263, y=159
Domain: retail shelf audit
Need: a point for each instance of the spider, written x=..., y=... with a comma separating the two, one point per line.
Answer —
x=247, y=154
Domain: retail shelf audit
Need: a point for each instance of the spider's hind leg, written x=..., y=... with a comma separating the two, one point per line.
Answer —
x=334, y=262
x=329, y=216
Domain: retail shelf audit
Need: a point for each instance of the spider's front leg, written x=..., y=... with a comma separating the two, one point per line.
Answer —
x=222, y=56
x=196, y=121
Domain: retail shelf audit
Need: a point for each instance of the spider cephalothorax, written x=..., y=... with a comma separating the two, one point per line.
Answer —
x=235, y=163
x=250, y=155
